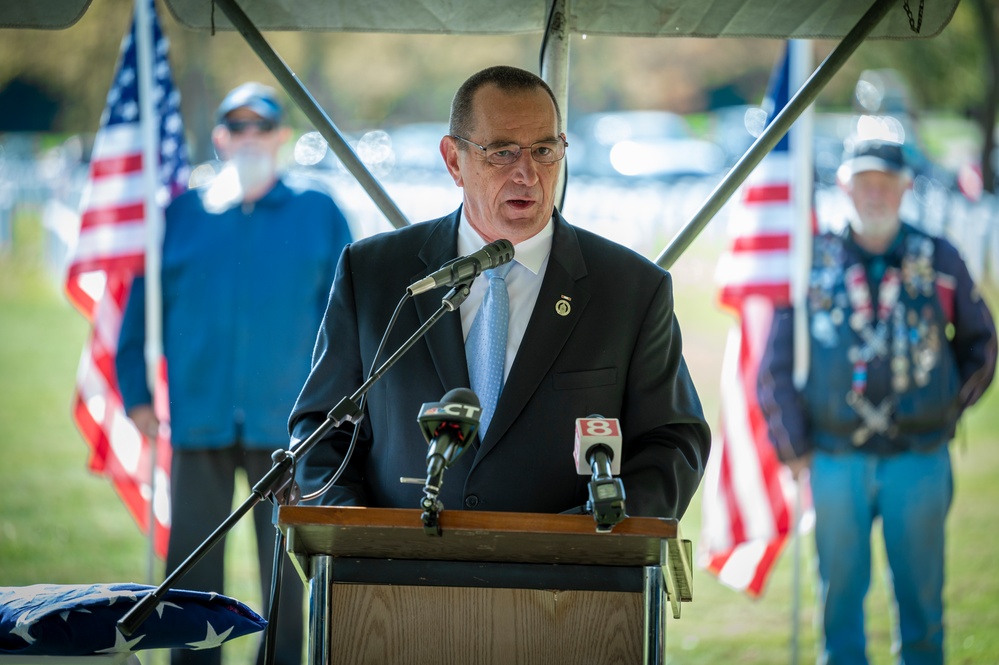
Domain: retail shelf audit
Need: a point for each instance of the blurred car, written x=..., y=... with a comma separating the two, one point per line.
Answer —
x=416, y=146
x=640, y=144
x=833, y=135
x=737, y=127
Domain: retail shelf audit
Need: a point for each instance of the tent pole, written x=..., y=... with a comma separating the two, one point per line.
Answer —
x=313, y=111
x=555, y=70
x=774, y=132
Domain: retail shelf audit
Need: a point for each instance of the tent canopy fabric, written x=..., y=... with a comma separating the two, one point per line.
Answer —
x=778, y=19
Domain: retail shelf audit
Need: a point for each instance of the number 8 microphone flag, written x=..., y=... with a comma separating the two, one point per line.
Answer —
x=109, y=252
x=748, y=499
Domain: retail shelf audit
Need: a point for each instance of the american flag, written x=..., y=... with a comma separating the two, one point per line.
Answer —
x=54, y=622
x=109, y=252
x=749, y=497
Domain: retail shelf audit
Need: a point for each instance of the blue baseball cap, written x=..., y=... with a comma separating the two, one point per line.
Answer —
x=257, y=97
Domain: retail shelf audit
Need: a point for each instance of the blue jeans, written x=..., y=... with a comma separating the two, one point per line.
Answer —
x=911, y=493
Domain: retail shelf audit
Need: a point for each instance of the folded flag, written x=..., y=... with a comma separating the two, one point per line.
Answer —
x=81, y=619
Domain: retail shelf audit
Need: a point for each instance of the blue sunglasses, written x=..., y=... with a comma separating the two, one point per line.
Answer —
x=239, y=126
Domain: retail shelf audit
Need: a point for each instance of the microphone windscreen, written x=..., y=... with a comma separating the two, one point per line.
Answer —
x=461, y=396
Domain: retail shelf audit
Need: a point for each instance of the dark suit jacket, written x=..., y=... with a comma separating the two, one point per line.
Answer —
x=616, y=353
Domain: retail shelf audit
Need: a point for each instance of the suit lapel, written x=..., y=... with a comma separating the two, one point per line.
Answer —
x=560, y=304
x=447, y=348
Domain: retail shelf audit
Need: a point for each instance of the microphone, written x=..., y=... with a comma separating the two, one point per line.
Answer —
x=596, y=434
x=449, y=427
x=464, y=268
x=597, y=451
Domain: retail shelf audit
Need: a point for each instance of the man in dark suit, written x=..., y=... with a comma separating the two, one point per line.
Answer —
x=591, y=331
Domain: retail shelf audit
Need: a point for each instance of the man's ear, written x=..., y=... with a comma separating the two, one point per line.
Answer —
x=449, y=151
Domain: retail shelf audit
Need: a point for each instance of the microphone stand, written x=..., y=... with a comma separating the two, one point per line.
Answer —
x=431, y=503
x=278, y=484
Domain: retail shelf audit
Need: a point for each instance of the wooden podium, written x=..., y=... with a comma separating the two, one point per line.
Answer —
x=494, y=588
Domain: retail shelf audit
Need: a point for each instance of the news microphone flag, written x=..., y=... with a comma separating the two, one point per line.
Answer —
x=109, y=252
x=749, y=496
x=596, y=431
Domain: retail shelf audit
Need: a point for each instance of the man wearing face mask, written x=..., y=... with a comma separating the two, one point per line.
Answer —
x=247, y=266
x=901, y=343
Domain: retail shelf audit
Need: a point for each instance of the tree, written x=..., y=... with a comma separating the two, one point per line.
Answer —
x=990, y=103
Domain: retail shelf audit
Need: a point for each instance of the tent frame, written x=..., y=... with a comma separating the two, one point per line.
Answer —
x=555, y=71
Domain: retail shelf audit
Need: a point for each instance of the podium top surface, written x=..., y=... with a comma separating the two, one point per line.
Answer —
x=397, y=533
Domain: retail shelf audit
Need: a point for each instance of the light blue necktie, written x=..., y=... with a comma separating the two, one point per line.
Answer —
x=485, y=347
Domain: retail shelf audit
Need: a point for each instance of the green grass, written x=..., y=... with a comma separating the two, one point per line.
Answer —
x=59, y=523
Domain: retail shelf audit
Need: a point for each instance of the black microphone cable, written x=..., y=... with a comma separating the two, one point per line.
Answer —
x=361, y=403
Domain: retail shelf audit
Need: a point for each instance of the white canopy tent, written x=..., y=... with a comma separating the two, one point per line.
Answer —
x=851, y=21
x=778, y=19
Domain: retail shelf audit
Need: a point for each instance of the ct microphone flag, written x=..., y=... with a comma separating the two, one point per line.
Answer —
x=448, y=426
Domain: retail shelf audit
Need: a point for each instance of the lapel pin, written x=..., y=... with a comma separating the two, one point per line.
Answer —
x=562, y=307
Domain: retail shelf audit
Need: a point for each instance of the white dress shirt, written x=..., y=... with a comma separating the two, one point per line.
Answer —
x=523, y=283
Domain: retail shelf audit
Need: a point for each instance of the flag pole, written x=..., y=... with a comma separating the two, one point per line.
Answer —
x=796, y=577
x=800, y=52
x=154, y=232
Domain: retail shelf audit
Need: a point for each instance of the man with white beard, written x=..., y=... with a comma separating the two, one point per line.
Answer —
x=248, y=262
x=901, y=343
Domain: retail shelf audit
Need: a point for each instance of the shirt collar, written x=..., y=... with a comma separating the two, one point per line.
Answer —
x=531, y=253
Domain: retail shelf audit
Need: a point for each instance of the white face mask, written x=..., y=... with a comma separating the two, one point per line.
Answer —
x=255, y=167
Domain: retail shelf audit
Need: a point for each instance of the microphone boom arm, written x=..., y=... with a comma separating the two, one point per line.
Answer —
x=347, y=409
x=277, y=479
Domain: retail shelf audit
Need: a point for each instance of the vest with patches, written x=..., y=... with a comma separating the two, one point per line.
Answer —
x=882, y=375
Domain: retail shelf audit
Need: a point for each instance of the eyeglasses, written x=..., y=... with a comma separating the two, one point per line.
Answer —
x=501, y=154
x=239, y=126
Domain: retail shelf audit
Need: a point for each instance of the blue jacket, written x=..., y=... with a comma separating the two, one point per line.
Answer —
x=244, y=291
x=940, y=351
